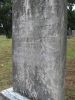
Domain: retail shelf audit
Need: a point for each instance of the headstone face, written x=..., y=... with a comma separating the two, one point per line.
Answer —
x=73, y=32
x=39, y=46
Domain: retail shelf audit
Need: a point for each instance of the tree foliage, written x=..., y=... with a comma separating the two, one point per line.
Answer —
x=71, y=1
x=71, y=14
x=5, y=17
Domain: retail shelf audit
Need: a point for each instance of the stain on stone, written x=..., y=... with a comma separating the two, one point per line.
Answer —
x=37, y=5
x=40, y=88
x=42, y=93
x=57, y=7
x=18, y=5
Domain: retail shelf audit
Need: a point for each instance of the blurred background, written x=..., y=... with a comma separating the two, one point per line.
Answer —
x=6, y=18
x=6, y=48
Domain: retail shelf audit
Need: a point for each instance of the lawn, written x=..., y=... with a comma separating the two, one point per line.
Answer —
x=70, y=70
x=6, y=69
x=5, y=62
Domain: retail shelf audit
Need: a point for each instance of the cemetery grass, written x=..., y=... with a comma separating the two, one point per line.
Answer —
x=6, y=66
x=5, y=63
x=70, y=70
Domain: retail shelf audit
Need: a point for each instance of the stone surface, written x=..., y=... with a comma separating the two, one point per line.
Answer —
x=9, y=94
x=39, y=48
x=73, y=32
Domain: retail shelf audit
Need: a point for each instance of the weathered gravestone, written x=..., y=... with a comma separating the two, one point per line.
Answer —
x=73, y=33
x=39, y=34
x=39, y=46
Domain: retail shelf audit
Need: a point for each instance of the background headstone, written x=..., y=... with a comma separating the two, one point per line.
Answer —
x=39, y=48
x=73, y=32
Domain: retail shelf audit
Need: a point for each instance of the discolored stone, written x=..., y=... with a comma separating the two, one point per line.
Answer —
x=39, y=48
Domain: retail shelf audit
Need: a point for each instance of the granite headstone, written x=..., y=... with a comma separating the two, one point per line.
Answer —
x=39, y=48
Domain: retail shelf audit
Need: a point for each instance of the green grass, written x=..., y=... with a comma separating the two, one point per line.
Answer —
x=70, y=70
x=6, y=63
x=71, y=48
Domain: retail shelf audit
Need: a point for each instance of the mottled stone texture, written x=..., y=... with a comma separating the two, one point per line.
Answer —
x=39, y=45
x=9, y=94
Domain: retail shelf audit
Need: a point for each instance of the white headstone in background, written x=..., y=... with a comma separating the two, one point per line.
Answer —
x=73, y=32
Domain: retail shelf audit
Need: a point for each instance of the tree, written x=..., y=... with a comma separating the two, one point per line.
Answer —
x=5, y=17
x=71, y=15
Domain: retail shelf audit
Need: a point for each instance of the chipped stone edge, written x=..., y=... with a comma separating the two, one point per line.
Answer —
x=9, y=94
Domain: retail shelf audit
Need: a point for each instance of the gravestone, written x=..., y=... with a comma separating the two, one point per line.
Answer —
x=73, y=33
x=39, y=48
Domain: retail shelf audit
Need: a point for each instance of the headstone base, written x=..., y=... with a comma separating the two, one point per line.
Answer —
x=9, y=94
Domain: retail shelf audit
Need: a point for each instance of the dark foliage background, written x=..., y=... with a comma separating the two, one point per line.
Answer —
x=6, y=17
x=71, y=14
